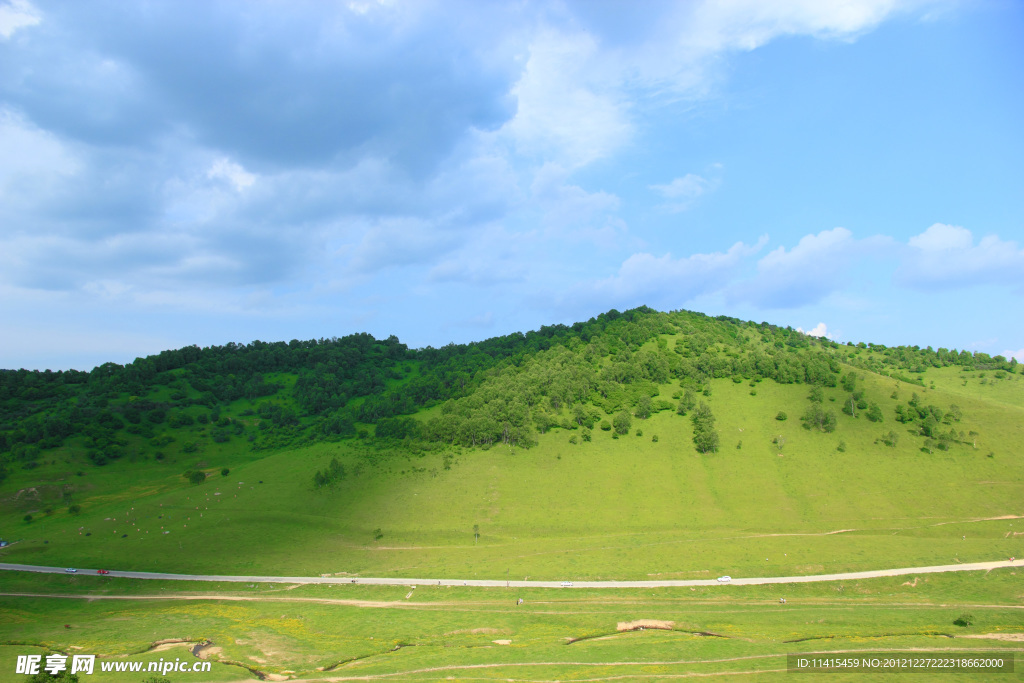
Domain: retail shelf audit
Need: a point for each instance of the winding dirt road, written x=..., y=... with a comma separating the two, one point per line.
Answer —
x=488, y=583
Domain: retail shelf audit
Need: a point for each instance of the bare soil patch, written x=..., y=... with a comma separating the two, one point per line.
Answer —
x=640, y=624
x=1012, y=637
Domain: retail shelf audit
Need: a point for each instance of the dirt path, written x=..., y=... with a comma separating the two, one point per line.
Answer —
x=493, y=583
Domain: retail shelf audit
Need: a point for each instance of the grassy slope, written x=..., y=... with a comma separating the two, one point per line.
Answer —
x=612, y=508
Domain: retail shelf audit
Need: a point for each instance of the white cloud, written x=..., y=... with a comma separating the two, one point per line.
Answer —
x=682, y=192
x=564, y=114
x=567, y=209
x=1018, y=354
x=17, y=14
x=668, y=281
x=748, y=24
x=399, y=241
x=819, y=330
x=808, y=272
x=32, y=158
x=225, y=169
x=690, y=186
x=945, y=255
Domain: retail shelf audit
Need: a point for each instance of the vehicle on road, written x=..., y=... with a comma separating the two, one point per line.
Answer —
x=70, y=570
x=724, y=579
x=567, y=584
x=102, y=571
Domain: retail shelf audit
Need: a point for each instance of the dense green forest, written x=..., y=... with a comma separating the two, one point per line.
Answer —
x=590, y=375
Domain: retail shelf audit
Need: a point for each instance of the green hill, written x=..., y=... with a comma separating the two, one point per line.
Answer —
x=640, y=445
x=633, y=445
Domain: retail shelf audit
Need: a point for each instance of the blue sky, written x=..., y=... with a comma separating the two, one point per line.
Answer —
x=177, y=173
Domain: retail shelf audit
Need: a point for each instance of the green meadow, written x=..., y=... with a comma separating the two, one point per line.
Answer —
x=342, y=632
x=571, y=503
x=611, y=508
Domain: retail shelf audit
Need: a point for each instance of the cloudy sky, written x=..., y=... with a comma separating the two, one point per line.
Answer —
x=179, y=172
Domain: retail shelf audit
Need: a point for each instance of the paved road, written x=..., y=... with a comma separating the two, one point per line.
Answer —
x=847, y=576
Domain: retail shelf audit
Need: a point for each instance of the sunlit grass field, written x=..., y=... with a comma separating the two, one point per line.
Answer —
x=775, y=500
x=612, y=508
x=432, y=633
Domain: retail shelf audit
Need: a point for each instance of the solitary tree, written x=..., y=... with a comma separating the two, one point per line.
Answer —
x=622, y=422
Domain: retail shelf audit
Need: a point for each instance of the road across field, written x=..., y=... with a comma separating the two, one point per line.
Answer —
x=489, y=583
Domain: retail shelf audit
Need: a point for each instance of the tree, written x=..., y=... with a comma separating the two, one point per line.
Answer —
x=705, y=438
x=46, y=677
x=622, y=422
x=225, y=472
x=687, y=402
x=706, y=441
x=643, y=407
x=197, y=477
x=817, y=418
x=703, y=419
x=875, y=413
x=850, y=382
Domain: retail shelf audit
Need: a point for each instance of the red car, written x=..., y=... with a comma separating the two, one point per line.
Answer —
x=102, y=571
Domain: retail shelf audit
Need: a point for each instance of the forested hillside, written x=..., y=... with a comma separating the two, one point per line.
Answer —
x=598, y=374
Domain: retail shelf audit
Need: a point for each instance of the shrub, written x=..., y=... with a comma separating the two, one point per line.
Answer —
x=225, y=472
x=964, y=620
x=197, y=477
x=622, y=422
x=654, y=439
x=606, y=425
x=781, y=416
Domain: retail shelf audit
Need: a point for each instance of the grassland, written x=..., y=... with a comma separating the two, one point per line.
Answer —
x=625, y=508
x=612, y=508
x=341, y=632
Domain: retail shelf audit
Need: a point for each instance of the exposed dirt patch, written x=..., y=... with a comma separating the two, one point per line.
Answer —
x=475, y=631
x=641, y=624
x=912, y=584
x=207, y=652
x=1012, y=637
x=502, y=642
x=167, y=646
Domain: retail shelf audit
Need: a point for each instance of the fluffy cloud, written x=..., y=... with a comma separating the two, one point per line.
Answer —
x=17, y=14
x=946, y=256
x=565, y=113
x=819, y=330
x=667, y=281
x=225, y=169
x=805, y=274
x=1019, y=355
x=682, y=192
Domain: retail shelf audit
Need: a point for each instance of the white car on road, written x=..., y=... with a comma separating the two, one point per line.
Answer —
x=724, y=579
x=567, y=584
